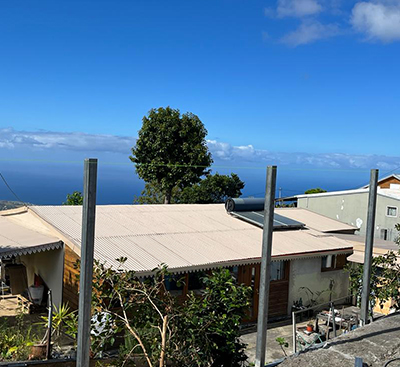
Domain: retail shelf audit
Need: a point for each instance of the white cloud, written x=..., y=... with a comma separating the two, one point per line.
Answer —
x=76, y=141
x=378, y=20
x=297, y=8
x=310, y=31
x=223, y=152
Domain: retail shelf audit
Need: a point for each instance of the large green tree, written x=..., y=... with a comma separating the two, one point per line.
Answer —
x=212, y=189
x=171, y=150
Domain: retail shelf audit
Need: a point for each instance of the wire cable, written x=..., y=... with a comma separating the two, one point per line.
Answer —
x=11, y=190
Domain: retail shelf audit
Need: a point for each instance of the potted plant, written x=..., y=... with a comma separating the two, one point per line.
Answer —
x=310, y=326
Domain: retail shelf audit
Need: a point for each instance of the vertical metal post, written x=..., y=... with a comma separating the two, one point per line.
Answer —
x=49, y=325
x=294, y=333
x=369, y=243
x=262, y=321
x=86, y=271
x=358, y=362
x=333, y=320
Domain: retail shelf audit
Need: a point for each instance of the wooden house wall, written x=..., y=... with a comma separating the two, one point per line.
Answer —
x=385, y=184
x=71, y=284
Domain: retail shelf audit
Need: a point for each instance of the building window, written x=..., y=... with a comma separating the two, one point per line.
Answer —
x=333, y=262
x=195, y=283
x=384, y=234
x=391, y=211
x=174, y=284
x=277, y=271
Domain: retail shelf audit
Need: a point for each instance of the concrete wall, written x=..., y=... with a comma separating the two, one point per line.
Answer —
x=352, y=209
x=307, y=273
x=49, y=265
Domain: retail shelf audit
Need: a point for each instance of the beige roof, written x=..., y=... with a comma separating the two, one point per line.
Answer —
x=185, y=237
x=19, y=240
x=380, y=247
x=315, y=221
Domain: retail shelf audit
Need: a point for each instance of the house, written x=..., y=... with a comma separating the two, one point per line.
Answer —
x=389, y=182
x=380, y=247
x=190, y=239
x=34, y=249
x=350, y=206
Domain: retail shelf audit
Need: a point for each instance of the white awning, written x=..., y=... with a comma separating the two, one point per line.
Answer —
x=18, y=240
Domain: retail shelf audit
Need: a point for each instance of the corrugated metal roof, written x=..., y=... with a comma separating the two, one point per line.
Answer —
x=313, y=220
x=18, y=240
x=390, y=193
x=380, y=247
x=185, y=237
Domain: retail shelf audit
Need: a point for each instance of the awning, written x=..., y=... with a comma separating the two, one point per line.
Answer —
x=18, y=240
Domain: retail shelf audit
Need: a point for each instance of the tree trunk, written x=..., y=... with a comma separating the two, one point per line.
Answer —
x=167, y=197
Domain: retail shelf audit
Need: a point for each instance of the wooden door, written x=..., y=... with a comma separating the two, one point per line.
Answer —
x=278, y=293
x=250, y=276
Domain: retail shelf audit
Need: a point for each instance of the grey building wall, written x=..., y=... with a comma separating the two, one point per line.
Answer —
x=352, y=209
x=307, y=273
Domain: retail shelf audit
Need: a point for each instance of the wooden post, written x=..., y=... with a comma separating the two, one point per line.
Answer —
x=87, y=255
x=262, y=321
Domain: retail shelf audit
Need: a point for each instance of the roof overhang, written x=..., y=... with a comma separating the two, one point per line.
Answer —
x=250, y=261
x=8, y=252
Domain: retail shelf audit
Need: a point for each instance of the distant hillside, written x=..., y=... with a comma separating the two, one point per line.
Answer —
x=5, y=204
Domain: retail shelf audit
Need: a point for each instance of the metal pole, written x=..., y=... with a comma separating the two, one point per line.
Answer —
x=86, y=272
x=294, y=333
x=49, y=325
x=369, y=243
x=262, y=321
x=333, y=320
x=358, y=362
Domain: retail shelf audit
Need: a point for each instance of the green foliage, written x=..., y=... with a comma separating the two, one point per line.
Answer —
x=209, y=326
x=200, y=332
x=316, y=190
x=16, y=341
x=171, y=150
x=385, y=278
x=283, y=344
x=75, y=198
x=152, y=194
x=212, y=189
x=64, y=321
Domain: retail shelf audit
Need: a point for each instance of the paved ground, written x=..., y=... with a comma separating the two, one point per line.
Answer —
x=281, y=329
x=376, y=344
x=9, y=306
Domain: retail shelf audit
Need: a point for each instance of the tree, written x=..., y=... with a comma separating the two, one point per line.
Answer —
x=316, y=190
x=75, y=198
x=152, y=194
x=200, y=332
x=212, y=189
x=385, y=278
x=209, y=332
x=171, y=150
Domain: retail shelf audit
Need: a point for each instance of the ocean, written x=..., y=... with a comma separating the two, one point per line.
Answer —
x=48, y=184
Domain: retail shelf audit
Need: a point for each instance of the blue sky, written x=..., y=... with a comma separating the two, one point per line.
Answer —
x=310, y=84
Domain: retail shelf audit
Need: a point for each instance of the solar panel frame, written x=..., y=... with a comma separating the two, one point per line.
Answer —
x=257, y=218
